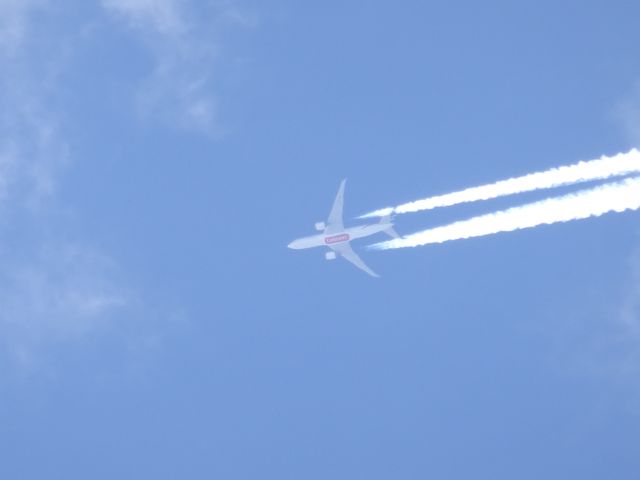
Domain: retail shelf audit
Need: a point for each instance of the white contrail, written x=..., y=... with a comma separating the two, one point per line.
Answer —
x=612, y=197
x=600, y=169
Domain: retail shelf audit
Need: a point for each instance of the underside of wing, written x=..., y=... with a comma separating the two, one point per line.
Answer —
x=345, y=250
x=334, y=222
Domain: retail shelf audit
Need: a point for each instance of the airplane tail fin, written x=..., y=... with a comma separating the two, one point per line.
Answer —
x=389, y=230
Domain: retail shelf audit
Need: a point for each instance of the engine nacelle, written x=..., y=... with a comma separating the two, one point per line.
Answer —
x=320, y=226
x=330, y=255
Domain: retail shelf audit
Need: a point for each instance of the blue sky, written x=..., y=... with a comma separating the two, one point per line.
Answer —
x=157, y=156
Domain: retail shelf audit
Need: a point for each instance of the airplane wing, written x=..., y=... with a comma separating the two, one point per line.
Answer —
x=334, y=222
x=345, y=250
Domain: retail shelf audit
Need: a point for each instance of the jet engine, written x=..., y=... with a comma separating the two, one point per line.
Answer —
x=330, y=255
x=320, y=226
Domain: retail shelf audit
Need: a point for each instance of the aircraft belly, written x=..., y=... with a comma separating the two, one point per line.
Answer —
x=363, y=232
x=335, y=239
x=308, y=242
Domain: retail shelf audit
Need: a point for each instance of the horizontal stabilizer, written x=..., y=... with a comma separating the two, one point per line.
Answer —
x=390, y=230
x=392, y=233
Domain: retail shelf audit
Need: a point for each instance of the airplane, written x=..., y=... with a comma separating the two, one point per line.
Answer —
x=338, y=238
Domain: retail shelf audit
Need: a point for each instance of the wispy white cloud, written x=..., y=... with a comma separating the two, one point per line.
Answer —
x=52, y=288
x=164, y=16
x=630, y=311
x=597, y=336
x=610, y=343
x=183, y=37
x=627, y=113
x=32, y=146
x=32, y=150
x=14, y=22
x=8, y=158
x=58, y=292
x=626, y=338
x=56, y=287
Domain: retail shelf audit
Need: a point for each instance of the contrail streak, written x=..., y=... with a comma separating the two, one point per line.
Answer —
x=612, y=197
x=600, y=169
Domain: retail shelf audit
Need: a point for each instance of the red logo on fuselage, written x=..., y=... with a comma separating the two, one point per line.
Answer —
x=343, y=237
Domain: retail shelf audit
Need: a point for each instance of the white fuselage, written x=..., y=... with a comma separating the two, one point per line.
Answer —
x=346, y=235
